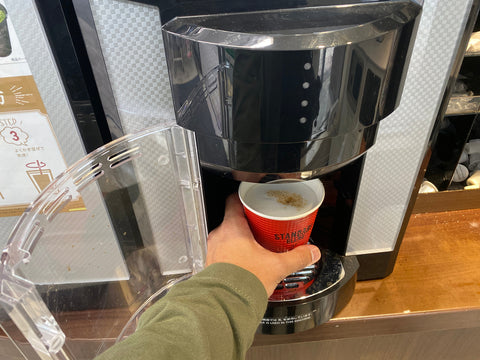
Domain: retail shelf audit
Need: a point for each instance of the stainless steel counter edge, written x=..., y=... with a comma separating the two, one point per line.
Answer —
x=343, y=328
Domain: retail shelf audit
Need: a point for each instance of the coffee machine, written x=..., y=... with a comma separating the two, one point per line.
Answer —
x=261, y=91
x=292, y=93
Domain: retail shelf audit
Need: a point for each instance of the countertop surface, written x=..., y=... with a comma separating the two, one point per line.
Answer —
x=437, y=268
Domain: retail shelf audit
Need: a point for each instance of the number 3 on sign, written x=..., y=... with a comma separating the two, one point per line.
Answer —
x=14, y=135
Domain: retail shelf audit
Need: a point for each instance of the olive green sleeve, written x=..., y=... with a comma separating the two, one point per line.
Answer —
x=212, y=315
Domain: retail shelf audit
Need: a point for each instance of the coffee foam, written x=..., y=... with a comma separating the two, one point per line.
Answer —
x=281, y=199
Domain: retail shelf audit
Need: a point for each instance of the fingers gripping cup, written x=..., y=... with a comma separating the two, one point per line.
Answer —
x=281, y=213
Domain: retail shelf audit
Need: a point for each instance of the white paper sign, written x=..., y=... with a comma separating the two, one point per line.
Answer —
x=30, y=156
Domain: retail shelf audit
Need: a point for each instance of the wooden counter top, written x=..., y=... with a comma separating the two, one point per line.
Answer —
x=438, y=268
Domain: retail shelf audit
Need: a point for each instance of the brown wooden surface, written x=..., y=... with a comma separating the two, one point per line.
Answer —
x=438, y=267
x=447, y=201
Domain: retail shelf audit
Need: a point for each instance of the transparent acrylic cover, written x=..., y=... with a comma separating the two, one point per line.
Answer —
x=101, y=243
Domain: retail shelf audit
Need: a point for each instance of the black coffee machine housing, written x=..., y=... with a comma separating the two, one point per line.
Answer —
x=292, y=93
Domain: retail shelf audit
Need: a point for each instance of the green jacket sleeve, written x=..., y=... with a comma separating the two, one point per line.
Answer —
x=212, y=315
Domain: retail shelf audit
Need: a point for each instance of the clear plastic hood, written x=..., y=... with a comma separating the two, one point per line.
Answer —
x=295, y=29
x=102, y=242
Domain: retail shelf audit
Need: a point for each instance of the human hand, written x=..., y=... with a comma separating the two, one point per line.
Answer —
x=232, y=242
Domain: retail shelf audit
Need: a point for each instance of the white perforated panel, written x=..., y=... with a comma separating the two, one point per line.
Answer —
x=132, y=45
x=394, y=161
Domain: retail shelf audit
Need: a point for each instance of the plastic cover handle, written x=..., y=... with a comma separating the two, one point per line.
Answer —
x=27, y=310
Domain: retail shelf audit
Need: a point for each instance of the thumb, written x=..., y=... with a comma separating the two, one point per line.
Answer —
x=300, y=257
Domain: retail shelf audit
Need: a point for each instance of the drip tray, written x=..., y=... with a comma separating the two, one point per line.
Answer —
x=312, y=280
x=310, y=297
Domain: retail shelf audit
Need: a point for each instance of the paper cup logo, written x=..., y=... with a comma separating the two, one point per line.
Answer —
x=281, y=213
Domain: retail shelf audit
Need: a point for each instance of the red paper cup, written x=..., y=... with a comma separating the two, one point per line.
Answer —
x=281, y=213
